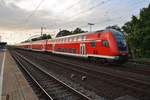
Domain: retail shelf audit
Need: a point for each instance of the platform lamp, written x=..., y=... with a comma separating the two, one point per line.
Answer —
x=42, y=28
x=90, y=24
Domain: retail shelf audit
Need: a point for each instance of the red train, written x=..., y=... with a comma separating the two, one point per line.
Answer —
x=108, y=45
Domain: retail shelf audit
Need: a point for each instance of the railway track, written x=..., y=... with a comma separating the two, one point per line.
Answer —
x=53, y=88
x=141, y=87
x=140, y=62
x=137, y=85
x=142, y=69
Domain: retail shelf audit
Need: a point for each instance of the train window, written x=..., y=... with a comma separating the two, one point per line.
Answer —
x=79, y=38
x=70, y=39
x=84, y=38
x=66, y=50
x=74, y=39
x=63, y=49
x=105, y=43
x=74, y=50
x=93, y=44
x=63, y=40
x=70, y=50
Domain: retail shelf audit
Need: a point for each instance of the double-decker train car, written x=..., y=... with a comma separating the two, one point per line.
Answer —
x=108, y=45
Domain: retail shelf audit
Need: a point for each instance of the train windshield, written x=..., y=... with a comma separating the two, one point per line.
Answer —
x=120, y=40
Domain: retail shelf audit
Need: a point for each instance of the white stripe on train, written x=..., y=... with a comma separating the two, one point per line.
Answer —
x=78, y=55
x=86, y=55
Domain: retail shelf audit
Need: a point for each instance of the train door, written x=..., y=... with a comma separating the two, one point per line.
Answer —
x=43, y=45
x=53, y=47
x=82, y=49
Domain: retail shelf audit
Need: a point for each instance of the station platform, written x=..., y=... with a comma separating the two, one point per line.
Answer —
x=13, y=85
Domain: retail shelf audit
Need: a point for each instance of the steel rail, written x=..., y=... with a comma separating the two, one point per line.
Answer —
x=86, y=70
x=72, y=89
x=22, y=66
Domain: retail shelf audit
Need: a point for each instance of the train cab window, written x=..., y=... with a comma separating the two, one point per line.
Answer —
x=105, y=43
x=93, y=44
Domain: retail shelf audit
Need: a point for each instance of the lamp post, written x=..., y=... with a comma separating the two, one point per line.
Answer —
x=30, y=39
x=90, y=24
x=42, y=28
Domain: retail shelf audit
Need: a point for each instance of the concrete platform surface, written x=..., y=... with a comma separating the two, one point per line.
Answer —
x=14, y=85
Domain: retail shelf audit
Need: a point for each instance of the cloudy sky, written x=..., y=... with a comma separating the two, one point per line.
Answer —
x=22, y=19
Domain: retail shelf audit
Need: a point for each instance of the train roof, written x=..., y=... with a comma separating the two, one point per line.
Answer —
x=3, y=43
x=79, y=34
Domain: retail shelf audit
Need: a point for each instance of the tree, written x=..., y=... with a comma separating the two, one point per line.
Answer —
x=138, y=30
x=63, y=33
x=78, y=30
x=45, y=36
x=116, y=27
x=66, y=32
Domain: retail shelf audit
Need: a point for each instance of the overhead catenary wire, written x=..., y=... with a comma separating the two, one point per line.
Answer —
x=106, y=13
x=32, y=13
x=89, y=9
x=72, y=6
x=83, y=12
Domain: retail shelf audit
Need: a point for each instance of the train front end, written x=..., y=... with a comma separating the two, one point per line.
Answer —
x=121, y=48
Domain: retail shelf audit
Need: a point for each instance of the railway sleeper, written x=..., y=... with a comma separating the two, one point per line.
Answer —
x=65, y=97
x=59, y=92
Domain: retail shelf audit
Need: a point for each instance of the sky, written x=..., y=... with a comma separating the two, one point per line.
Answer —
x=22, y=19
